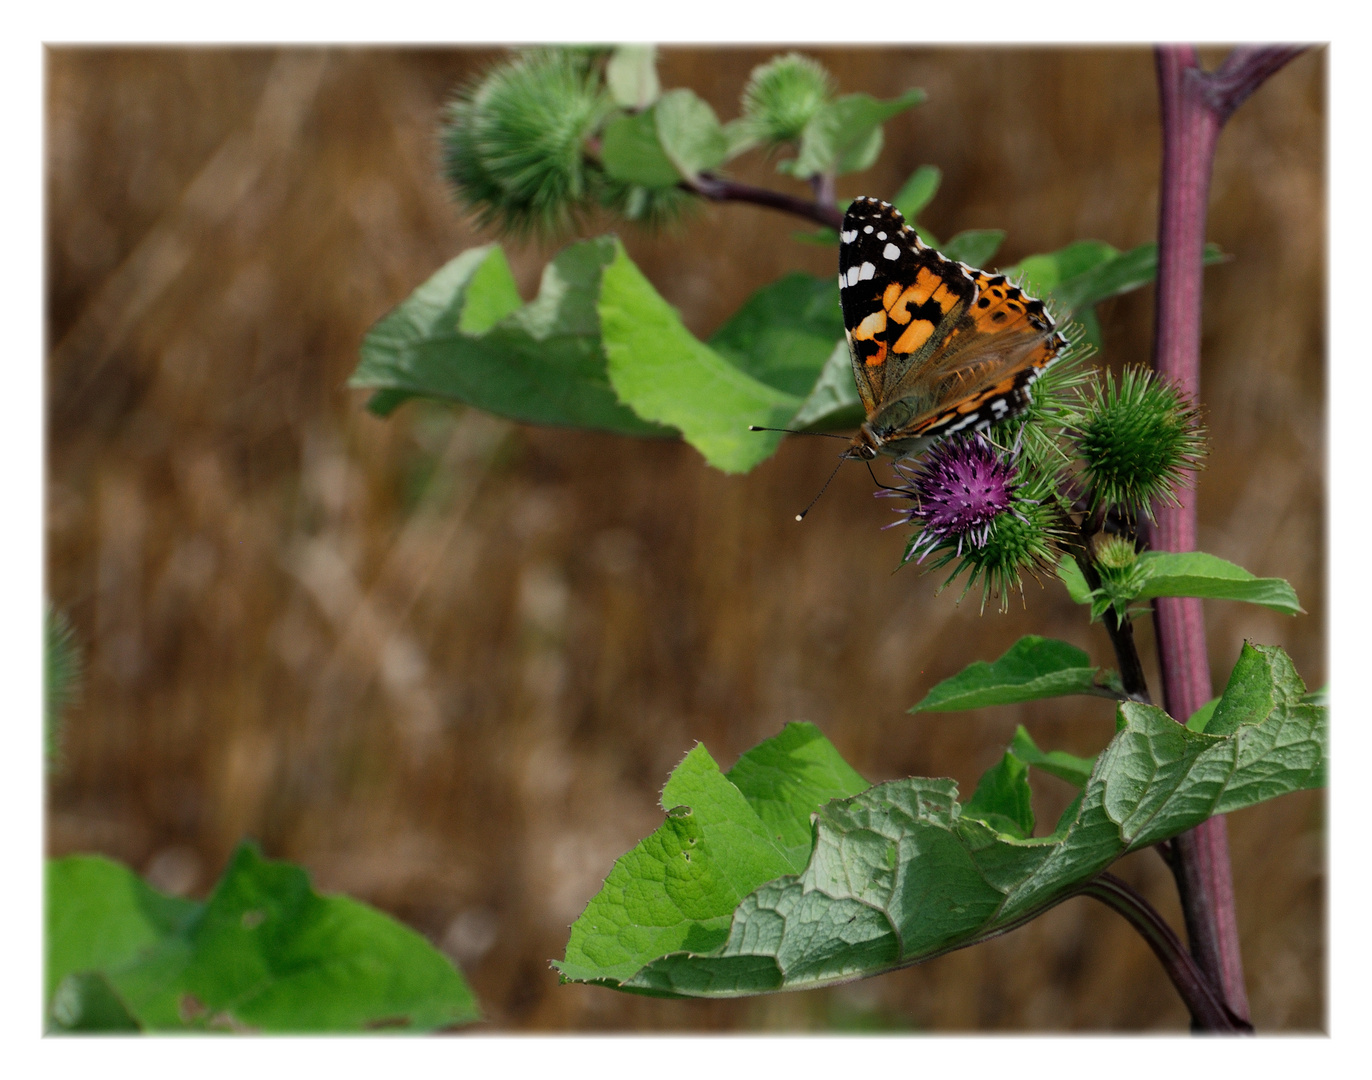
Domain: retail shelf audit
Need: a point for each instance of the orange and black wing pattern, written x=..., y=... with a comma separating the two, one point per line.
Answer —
x=937, y=346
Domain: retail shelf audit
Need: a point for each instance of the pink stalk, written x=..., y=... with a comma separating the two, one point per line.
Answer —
x=1195, y=105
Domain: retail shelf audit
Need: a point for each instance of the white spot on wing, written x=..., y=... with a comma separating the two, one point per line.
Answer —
x=868, y=229
x=842, y=281
x=868, y=271
x=852, y=275
x=849, y=236
x=890, y=251
x=881, y=236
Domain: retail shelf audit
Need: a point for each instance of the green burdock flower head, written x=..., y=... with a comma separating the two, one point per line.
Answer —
x=971, y=504
x=783, y=95
x=514, y=142
x=1139, y=441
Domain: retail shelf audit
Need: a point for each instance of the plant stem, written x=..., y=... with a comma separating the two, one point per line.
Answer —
x=1195, y=104
x=717, y=189
x=1206, y=1005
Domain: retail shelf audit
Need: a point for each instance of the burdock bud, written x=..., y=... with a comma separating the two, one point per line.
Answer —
x=1139, y=442
x=783, y=95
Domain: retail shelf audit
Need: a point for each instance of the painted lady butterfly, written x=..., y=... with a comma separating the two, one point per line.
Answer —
x=937, y=346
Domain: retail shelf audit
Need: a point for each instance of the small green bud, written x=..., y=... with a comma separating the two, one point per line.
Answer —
x=514, y=143
x=1138, y=440
x=783, y=95
x=1115, y=555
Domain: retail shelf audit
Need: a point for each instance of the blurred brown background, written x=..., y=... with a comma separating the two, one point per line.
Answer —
x=447, y=662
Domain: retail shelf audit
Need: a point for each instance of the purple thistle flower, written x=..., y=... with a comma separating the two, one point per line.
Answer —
x=958, y=489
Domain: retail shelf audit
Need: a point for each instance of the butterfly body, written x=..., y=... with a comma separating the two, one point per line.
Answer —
x=937, y=346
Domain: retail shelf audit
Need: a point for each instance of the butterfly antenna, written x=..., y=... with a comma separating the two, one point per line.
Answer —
x=801, y=515
x=793, y=431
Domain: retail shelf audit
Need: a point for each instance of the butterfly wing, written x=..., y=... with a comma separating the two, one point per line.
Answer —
x=936, y=345
x=900, y=299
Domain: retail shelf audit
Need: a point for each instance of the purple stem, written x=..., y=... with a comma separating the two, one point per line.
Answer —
x=716, y=188
x=1195, y=105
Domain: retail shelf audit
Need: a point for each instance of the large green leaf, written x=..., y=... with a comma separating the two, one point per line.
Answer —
x=263, y=953
x=463, y=336
x=101, y=915
x=784, y=332
x=669, y=377
x=1032, y=668
x=902, y=871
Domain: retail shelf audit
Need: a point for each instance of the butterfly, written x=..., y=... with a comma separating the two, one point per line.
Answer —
x=937, y=346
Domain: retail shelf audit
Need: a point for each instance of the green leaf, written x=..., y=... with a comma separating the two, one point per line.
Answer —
x=264, y=953
x=101, y=915
x=786, y=778
x=540, y=363
x=667, y=376
x=740, y=135
x=1199, y=719
x=1070, y=574
x=690, y=132
x=86, y=1003
x=631, y=151
x=677, y=888
x=833, y=401
x=1075, y=770
x=918, y=191
x=1194, y=573
x=844, y=135
x=631, y=76
x=784, y=332
x=1041, y=274
x=1121, y=274
x=903, y=872
x=1003, y=799
x=975, y=247
x=1032, y=668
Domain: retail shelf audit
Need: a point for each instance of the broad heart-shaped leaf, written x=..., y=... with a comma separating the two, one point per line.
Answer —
x=1032, y=668
x=900, y=873
x=845, y=135
x=631, y=151
x=784, y=333
x=690, y=132
x=678, y=887
x=263, y=953
x=462, y=336
x=667, y=376
x=101, y=915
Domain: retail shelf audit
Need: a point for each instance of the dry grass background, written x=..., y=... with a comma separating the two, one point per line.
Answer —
x=446, y=662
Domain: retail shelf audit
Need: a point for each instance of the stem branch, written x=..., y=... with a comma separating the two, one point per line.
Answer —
x=1205, y=1003
x=718, y=189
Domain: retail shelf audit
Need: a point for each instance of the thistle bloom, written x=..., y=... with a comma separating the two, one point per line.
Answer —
x=958, y=490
